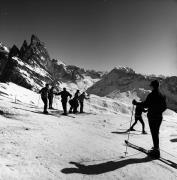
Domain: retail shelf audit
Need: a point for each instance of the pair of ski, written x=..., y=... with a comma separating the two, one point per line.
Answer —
x=145, y=151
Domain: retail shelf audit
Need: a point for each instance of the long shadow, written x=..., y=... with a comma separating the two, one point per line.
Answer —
x=3, y=93
x=124, y=132
x=173, y=140
x=26, y=104
x=86, y=113
x=103, y=167
x=56, y=113
x=123, y=129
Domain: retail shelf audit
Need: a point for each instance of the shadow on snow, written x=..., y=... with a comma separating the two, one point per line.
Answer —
x=102, y=167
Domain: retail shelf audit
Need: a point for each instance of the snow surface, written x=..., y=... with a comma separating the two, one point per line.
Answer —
x=86, y=146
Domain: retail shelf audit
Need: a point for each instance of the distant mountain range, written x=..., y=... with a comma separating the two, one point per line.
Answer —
x=124, y=80
x=31, y=66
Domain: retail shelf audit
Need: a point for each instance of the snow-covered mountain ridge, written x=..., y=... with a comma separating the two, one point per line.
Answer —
x=31, y=67
x=125, y=83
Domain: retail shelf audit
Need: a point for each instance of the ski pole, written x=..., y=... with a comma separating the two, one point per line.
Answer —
x=129, y=130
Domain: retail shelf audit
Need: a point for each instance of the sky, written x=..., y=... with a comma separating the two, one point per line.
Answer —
x=98, y=34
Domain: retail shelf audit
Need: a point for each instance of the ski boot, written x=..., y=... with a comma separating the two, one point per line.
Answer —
x=154, y=153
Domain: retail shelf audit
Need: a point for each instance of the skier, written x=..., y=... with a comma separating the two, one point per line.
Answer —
x=74, y=103
x=156, y=104
x=81, y=101
x=138, y=117
x=44, y=97
x=50, y=97
x=64, y=98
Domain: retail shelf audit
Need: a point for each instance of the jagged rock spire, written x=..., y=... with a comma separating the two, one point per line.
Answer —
x=14, y=51
x=35, y=40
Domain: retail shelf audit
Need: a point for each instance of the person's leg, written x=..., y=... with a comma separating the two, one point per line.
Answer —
x=45, y=101
x=81, y=107
x=51, y=103
x=142, y=122
x=50, y=106
x=64, y=107
x=75, y=107
x=70, y=110
x=156, y=133
x=154, y=124
x=136, y=120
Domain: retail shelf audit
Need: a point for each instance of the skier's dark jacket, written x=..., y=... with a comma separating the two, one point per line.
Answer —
x=64, y=95
x=139, y=109
x=156, y=104
x=44, y=93
x=82, y=97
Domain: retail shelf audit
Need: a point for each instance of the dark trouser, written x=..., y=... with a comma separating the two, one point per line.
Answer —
x=75, y=107
x=71, y=109
x=50, y=102
x=154, y=124
x=45, y=101
x=81, y=106
x=64, y=104
x=139, y=118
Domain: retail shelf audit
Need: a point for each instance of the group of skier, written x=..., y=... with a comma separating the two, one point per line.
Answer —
x=47, y=95
x=154, y=105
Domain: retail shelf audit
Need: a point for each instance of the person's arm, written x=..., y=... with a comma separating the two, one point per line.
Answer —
x=57, y=94
x=145, y=103
x=134, y=102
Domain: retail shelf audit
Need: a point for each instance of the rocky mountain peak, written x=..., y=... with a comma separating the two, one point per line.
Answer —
x=35, y=40
x=123, y=69
x=14, y=51
x=35, y=52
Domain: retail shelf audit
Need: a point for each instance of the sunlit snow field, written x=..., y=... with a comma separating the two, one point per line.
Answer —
x=83, y=146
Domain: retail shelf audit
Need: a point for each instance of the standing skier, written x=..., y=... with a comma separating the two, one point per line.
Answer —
x=138, y=116
x=81, y=101
x=44, y=96
x=74, y=103
x=50, y=97
x=64, y=98
x=156, y=104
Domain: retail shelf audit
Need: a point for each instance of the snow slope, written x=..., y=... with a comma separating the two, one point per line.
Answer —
x=86, y=146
